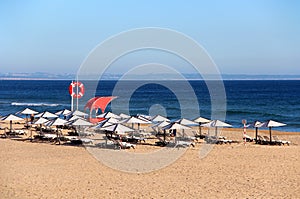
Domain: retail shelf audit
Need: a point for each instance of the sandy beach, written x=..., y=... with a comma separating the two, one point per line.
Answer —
x=45, y=170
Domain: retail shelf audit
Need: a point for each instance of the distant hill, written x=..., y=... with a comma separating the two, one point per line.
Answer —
x=69, y=76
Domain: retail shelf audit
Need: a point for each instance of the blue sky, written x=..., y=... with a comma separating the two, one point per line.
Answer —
x=242, y=37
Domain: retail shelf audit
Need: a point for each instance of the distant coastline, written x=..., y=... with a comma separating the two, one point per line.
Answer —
x=69, y=76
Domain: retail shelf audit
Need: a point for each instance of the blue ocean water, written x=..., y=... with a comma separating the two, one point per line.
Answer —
x=252, y=100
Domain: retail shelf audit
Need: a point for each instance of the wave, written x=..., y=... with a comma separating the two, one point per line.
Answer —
x=33, y=104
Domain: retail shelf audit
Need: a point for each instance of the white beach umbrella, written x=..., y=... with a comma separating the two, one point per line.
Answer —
x=81, y=122
x=216, y=124
x=175, y=126
x=74, y=117
x=186, y=122
x=144, y=117
x=270, y=124
x=117, y=128
x=159, y=118
x=11, y=118
x=256, y=124
x=112, y=120
x=201, y=120
x=63, y=112
x=133, y=120
x=124, y=116
x=46, y=114
x=102, y=124
x=28, y=111
x=56, y=122
x=109, y=115
x=41, y=121
x=79, y=113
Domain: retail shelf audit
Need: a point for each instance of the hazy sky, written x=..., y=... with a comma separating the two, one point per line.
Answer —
x=242, y=37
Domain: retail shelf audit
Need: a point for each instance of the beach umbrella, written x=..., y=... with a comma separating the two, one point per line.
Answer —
x=28, y=111
x=56, y=122
x=201, y=120
x=256, y=124
x=112, y=120
x=78, y=113
x=109, y=115
x=159, y=118
x=64, y=112
x=270, y=124
x=80, y=122
x=216, y=124
x=47, y=115
x=103, y=123
x=175, y=126
x=133, y=120
x=124, y=116
x=41, y=121
x=186, y=122
x=117, y=128
x=160, y=125
x=11, y=118
x=74, y=117
x=144, y=117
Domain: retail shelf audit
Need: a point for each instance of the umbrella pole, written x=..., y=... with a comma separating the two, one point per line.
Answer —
x=270, y=134
x=10, y=125
x=200, y=129
x=256, y=132
x=216, y=131
x=164, y=134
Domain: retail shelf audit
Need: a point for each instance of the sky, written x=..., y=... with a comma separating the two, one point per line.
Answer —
x=241, y=36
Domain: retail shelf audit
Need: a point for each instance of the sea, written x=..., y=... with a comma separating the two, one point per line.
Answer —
x=251, y=100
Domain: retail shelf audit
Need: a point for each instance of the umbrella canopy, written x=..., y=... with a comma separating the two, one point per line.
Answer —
x=256, y=124
x=46, y=114
x=102, y=124
x=79, y=113
x=134, y=120
x=118, y=128
x=109, y=115
x=63, y=112
x=174, y=125
x=56, y=122
x=41, y=121
x=11, y=118
x=186, y=122
x=81, y=122
x=216, y=124
x=271, y=123
x=201, y=120
x=159, y=118
x=112, y=120
x=161, y=124
x=74, y=117
x=28, y=111
x=124, y=116
x=144, y=117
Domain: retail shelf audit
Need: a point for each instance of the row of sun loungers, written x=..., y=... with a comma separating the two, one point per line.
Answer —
x=275, y=140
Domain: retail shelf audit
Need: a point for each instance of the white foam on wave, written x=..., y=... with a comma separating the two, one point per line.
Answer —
x=33, y=104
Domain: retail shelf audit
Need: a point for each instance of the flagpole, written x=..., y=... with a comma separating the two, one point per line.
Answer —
x=72, y=101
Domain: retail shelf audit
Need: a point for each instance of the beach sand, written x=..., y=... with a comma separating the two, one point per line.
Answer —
x=45, y=170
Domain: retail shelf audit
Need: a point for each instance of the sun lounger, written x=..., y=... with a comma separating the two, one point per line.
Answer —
x=217, y=140
x=184, y=143
x=277, y=140
x=86, y=141
x=125, y=145
x=248, y=138
x=262, y=140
